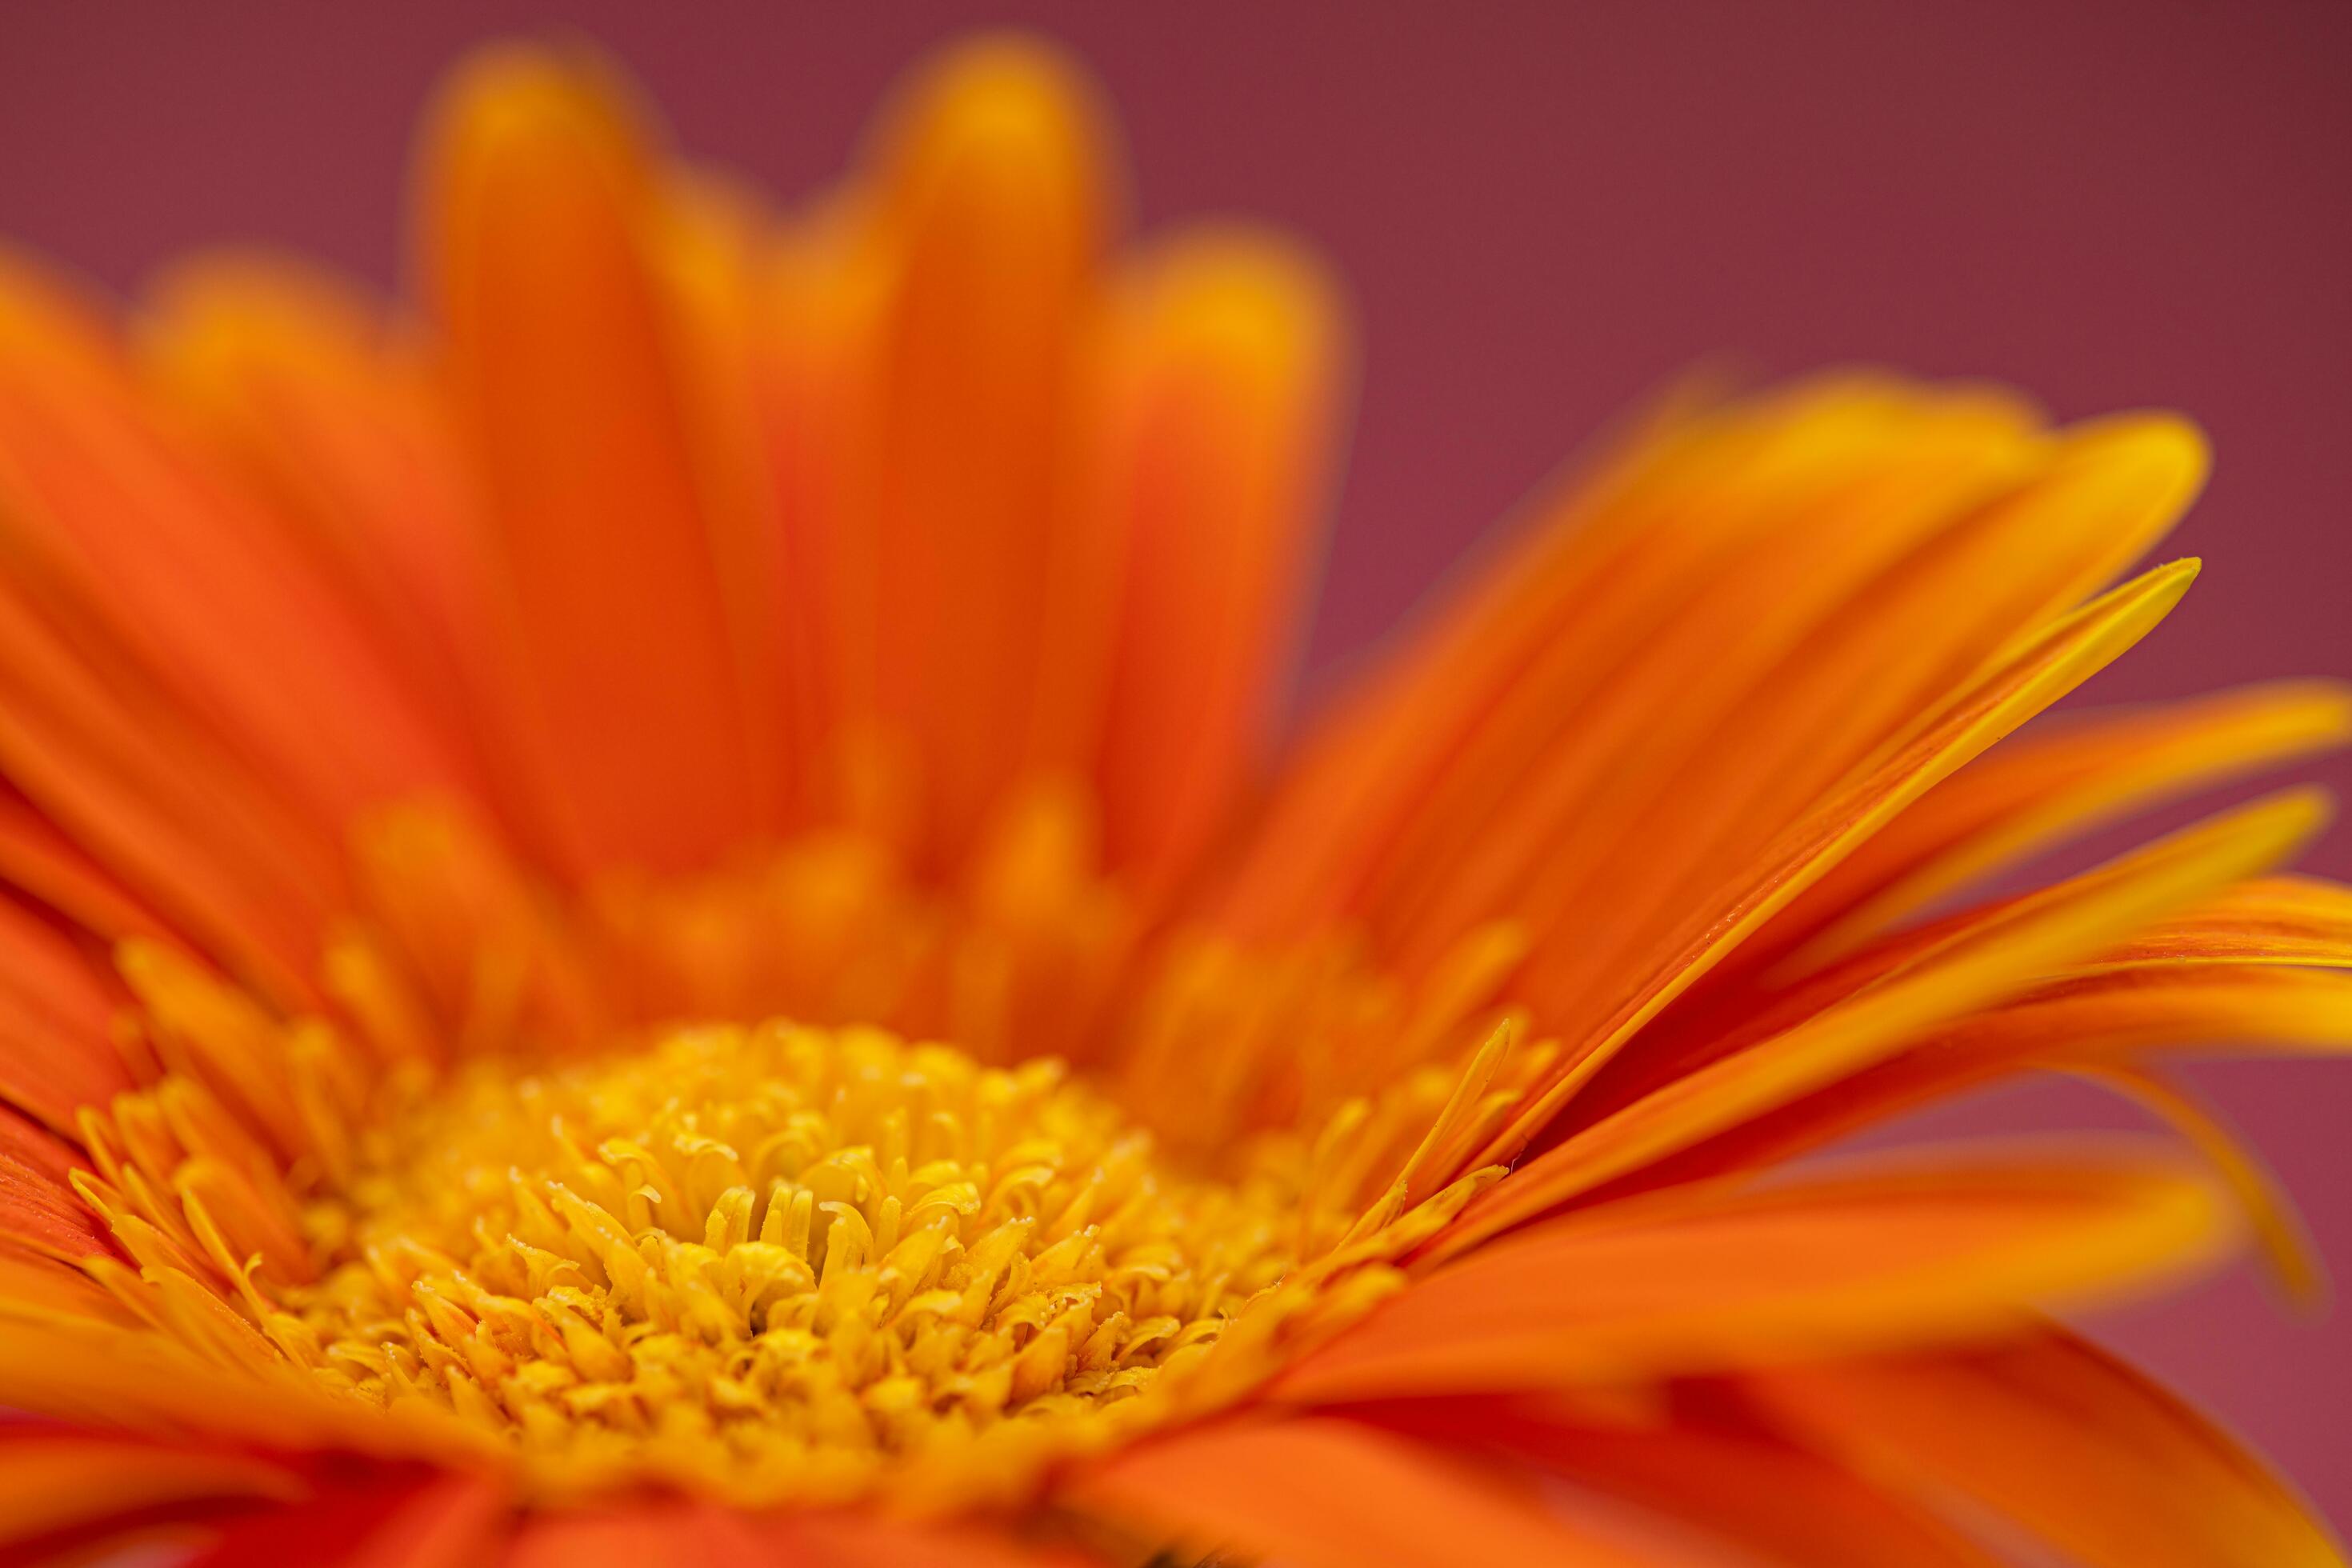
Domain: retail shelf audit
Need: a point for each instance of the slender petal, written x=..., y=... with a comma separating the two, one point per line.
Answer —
x=1891, y=1253
x=2012, y=691
x=2265, y=921
x=301, y=388
x=1224, y=355
x=2084, y=1023
x=2000, y=957
x=42, y=862
x=37, y=1206
x=179, y=576
x=1443, y=729
x=992, y=202
x=57, y=1004
x=2040, y=789
x=162, y=806
x=561, y=358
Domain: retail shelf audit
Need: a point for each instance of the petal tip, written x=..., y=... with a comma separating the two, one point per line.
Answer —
x=2157, y=453
x=513, y=102
x=1245, y=284
x=1004, y=101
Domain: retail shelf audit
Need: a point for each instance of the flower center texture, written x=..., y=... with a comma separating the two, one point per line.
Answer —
x=784, y=1255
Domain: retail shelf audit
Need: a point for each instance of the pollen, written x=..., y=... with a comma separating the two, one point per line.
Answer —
x=777, y=1259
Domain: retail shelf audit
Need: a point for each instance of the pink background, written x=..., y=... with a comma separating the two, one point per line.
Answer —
x=1543, y=210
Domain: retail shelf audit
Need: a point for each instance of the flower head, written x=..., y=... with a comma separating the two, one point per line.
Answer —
x=651, y=914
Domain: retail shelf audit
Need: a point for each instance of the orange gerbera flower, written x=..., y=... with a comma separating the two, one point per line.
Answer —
x=500, y=799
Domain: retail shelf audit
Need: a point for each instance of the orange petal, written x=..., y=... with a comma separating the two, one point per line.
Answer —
x=2272, y=919
x=990, y=203
x=1219, y=411
x=37, y=1206
x=125, y=534
x=449, y=1521
x=37, y=857
x=1766, y=1498
x=2083, y=1022
x=2294, y=1267
x=1444, y=728
x=814, y=317
x=33, y=1282
x=295, y=381
x=1332, y=1494
x=2140, y=1009
x=2071, y=1445
x=2266, y=920
x=161, y=806
x=561, y=358
x=2000, y=955
x=708, y=249
x=1889, y=1253
x=135, y=1379
x=52, y=1480
x=1779, y=1502
x=1713, y=632
x=850, y=1541
x=2005, y=698
x=656, y=1535
x=1903, y=646
x=57, y=1052
x=2044, y=788
x=1763, y=686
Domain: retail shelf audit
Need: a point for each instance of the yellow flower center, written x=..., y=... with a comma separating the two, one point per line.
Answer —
x=778, y=1258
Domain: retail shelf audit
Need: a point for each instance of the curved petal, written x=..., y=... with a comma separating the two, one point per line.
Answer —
x=708, y=249
x=2272, y=919
x=1731, y=615
x=1324, y=1493
x=1998, y=957
x=136, y=1380
x=1896, y=1252
x=2069, y=1443
x=33, y=1280
x=54, y=1480
x=2072, y=1023
x=1772, y=1501
x=395, y=1522
x=1915, y=638
x=1444, y=727
x=2265, y=921
x=2039, y=789
x=123, y=534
